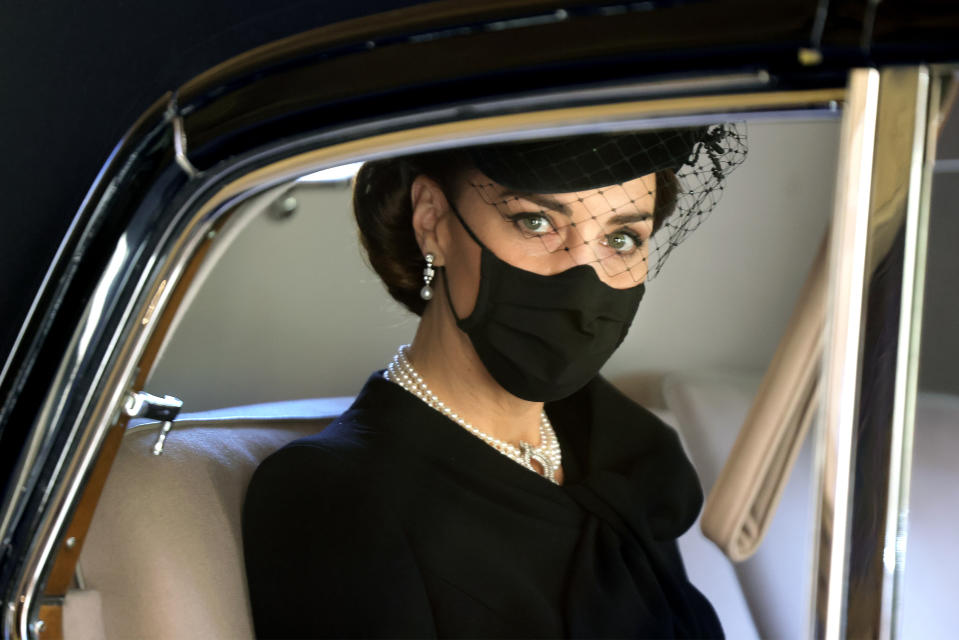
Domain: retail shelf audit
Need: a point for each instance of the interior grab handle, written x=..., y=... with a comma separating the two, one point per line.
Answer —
x=140, y=404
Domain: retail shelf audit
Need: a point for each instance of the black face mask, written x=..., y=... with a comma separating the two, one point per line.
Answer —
x=544, y=337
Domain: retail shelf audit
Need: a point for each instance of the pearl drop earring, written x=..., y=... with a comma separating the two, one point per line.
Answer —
x=426, y=293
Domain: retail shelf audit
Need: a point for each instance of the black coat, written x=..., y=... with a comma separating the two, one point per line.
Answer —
x=395, y=521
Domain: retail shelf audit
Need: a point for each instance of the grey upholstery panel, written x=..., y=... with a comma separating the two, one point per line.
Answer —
x=711, y=407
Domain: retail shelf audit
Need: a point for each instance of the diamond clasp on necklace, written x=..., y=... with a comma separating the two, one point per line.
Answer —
x=530, y=454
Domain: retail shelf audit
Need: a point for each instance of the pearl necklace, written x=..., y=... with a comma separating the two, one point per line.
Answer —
x=548, y=454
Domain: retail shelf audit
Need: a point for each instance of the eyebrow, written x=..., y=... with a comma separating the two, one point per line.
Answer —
x=542, y=200
x=549, y=202
x=626, y=218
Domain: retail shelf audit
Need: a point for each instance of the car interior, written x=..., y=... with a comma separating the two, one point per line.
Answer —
x=210, y=302
x=284, y=321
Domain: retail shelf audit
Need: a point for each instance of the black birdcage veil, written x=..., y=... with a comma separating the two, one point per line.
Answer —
x=621, y=201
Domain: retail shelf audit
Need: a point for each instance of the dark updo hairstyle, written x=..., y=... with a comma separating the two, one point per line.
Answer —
x=384, y=214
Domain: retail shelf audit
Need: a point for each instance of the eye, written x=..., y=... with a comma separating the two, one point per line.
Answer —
x=532, y=223
x=622, y=242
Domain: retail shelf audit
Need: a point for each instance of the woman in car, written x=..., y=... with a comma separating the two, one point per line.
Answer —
x=488, y=482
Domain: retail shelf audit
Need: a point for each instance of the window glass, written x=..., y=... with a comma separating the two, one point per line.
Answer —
x=931, y=566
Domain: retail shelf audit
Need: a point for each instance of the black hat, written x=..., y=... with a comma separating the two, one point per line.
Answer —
x=585, y=162
x=700, y=159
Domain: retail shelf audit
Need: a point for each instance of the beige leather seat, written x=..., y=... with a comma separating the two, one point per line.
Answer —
x=164, y=556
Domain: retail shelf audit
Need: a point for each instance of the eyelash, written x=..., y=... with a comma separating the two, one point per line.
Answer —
x=636, y=238
x=517, y=219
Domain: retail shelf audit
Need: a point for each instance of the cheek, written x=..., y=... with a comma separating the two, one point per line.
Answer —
x=463, y=270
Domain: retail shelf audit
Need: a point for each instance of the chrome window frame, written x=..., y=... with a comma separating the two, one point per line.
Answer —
x=863, y=460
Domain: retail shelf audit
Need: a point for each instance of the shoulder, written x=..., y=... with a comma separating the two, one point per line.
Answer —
x=609, y=397
x=612, y=411
x=633, y=429
x=315, y=502
x=346, y=457
x=325, y=554
x=633, y=442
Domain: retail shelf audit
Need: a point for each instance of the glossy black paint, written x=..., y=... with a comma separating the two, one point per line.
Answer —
x=312, y=91
x=426, y=65
x=319, y=79
x=140, y=177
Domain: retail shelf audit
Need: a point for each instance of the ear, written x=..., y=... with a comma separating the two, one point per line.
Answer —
x=430, y=207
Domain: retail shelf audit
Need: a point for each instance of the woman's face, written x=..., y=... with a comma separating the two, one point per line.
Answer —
x=607, y=228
